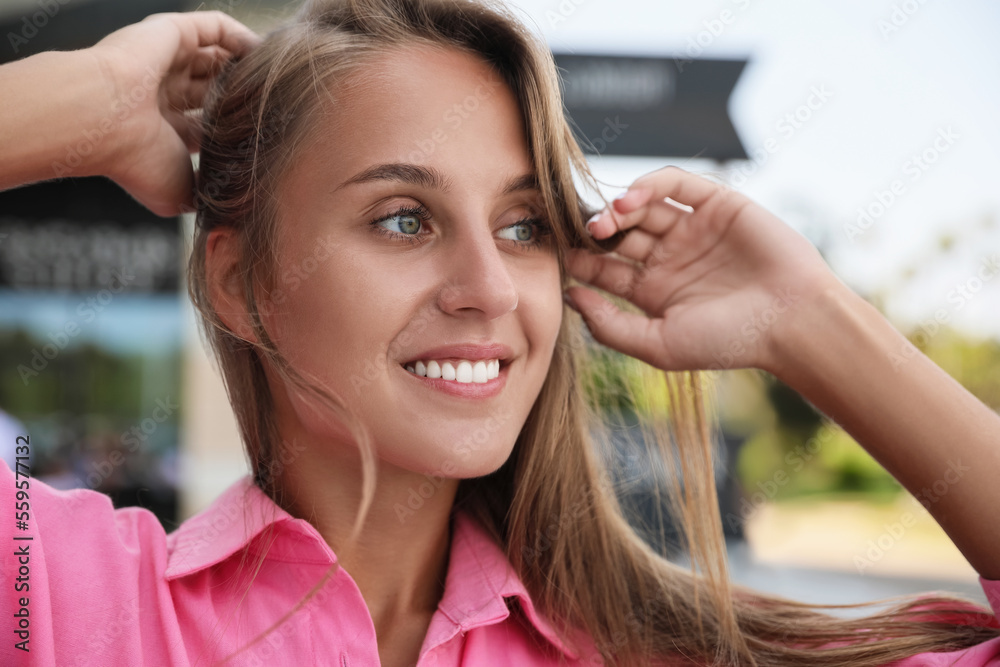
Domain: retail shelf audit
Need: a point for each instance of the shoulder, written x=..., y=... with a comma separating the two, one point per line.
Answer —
x=80, y=527
x=84, y=570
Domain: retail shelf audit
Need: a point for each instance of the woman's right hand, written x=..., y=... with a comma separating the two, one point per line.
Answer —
x=157, y=70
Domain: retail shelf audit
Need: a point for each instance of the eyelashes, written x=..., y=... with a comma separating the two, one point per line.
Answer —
x=418, y=212
x=541, y=228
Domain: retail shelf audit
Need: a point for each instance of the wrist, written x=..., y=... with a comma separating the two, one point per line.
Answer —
x=107, y=114
x=827, y=322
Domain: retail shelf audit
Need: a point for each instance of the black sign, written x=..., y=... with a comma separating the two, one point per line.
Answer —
x=650, y=106
x=78, y=234
x=81, y=234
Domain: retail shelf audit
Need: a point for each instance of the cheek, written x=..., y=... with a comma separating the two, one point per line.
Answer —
x=315, y=319
x=544, y=293
x=328, y=329
x=541, y=313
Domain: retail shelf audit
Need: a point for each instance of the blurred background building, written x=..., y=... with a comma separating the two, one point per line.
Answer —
x=868, y=126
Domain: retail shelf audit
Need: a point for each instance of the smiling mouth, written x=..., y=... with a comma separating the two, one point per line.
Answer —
x=462, y=371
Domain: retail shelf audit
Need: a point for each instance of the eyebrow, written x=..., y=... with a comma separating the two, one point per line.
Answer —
x=429, y=177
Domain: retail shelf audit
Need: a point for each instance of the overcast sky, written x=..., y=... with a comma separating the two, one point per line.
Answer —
x=899, y=76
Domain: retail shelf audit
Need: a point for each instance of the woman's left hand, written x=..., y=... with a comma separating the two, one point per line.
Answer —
x=716, y=283
x=728, y=285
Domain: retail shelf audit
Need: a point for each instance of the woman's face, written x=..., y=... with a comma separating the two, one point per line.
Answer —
x=411, y=237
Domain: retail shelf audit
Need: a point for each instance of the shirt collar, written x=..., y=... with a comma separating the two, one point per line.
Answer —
x=479, y=581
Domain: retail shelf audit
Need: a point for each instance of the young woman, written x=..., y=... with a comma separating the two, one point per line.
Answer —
x=387, y=229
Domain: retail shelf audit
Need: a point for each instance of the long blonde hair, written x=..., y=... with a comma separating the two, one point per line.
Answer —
x=551, y=506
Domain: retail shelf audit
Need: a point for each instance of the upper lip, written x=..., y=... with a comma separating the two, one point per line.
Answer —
x=470, y=351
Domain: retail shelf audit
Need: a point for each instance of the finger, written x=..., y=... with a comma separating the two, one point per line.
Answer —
x=214, y=27
x=634, y=334
x=208, y=61
x=602, y=271
x=654, y=216
x=670, y=181
x=642, y=246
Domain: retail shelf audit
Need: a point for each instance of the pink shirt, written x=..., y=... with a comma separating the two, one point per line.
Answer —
x=110, y=587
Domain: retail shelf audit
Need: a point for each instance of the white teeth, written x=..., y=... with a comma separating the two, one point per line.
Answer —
x=478, y=372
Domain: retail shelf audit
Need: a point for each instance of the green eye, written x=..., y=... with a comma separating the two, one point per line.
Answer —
x=405, y=223
x=522, y=231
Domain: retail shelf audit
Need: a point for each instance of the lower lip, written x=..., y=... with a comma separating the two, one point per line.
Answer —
x=486, y=389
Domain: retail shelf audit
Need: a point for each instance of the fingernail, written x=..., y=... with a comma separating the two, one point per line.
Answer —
x=590, y=223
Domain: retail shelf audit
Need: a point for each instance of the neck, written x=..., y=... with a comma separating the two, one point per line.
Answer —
x=400, y=558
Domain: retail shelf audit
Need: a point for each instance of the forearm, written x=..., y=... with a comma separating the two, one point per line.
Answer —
x=56, y=119
x=935, y=437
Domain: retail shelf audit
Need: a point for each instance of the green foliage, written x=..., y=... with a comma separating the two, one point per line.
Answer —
x=829, y=461
x=619, y=383
x=81, y=379
x=791, y=455
x=73, y=397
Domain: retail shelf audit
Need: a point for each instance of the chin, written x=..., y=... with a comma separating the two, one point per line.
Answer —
x=461, y=462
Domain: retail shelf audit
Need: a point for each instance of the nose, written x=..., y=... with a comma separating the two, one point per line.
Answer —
x=477, y=276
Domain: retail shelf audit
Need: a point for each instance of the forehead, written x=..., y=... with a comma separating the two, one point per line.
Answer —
x=425, y=104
